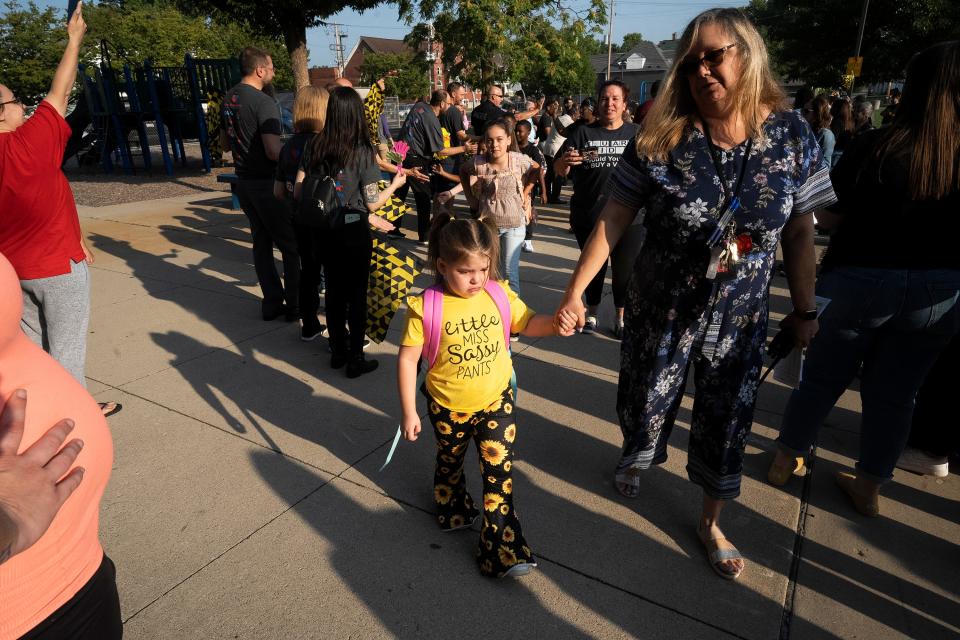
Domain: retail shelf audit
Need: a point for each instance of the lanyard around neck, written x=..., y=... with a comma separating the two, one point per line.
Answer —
x=731, y=200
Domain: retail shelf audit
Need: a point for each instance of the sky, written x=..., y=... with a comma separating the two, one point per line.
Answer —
x=655, y=19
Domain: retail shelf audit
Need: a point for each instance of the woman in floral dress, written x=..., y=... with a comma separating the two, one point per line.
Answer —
x=724, y=172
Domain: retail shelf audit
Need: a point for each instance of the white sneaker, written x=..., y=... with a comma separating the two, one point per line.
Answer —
x=590, y=326
x=527, y=246
x=923, y=463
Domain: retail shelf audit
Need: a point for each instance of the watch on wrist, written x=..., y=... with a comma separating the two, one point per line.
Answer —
x=806, y=315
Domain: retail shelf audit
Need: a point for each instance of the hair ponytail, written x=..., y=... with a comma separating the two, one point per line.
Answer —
x=452, y=239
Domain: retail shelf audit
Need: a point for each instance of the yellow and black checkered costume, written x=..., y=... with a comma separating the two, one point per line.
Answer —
x=392, y=270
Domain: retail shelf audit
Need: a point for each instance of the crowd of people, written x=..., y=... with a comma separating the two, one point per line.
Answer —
x=688, y=198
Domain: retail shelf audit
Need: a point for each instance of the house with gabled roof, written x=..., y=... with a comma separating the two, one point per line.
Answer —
x=637, y=68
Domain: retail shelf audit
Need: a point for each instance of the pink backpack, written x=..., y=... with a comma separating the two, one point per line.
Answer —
x=433, y=316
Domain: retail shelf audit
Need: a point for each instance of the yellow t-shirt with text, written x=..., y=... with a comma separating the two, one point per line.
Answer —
x=473, y=364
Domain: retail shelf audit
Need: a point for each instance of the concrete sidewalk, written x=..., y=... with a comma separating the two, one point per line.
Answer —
x=246, y=502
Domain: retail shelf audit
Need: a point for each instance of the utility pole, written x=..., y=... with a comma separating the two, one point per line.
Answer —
x=863, y=23
x=337, y=48
x=430, y=57
x=609, y=40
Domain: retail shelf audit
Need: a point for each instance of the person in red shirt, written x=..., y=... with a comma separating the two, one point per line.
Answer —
x=39, y=226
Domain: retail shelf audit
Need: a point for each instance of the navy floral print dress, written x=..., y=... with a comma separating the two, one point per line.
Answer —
x=675, y=314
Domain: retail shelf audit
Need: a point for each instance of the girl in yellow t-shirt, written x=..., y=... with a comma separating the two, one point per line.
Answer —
x=468, y=385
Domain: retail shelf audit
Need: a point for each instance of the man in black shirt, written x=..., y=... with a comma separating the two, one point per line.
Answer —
x=251, y=124
x=422, y=131
x=490, y=110
x=589, y=155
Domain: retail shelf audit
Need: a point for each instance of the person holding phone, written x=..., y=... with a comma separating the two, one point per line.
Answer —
x=589, y=156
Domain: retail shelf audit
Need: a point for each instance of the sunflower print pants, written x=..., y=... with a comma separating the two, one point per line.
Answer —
x=494, y=431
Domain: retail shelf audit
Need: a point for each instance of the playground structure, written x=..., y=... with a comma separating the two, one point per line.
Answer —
x=127, y=103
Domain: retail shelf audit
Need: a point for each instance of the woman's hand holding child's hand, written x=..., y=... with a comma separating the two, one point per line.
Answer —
x=411, y=427
x=566, y=323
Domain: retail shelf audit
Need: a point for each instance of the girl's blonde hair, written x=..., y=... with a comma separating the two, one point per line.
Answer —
x=755, y=92
x=310, y=109
x=455, y=239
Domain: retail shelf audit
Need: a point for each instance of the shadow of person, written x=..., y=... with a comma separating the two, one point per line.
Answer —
x=420, y=582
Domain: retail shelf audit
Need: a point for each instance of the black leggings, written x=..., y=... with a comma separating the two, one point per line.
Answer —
x=347, y=267
x=310, y=249
x=422, y=195
x=92, y=614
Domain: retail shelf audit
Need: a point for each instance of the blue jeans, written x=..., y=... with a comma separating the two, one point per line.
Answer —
x=893, y=323
x=510, y=243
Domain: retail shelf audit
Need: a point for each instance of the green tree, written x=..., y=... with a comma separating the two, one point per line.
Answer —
x=31, y=43
x=812, y=40
x=486, y=40
x=159, y=31
x=285, y=19
x=630, y=40
x=555, y=61
x=409, y=84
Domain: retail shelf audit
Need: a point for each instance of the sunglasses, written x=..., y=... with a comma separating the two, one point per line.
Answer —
x=711, y=59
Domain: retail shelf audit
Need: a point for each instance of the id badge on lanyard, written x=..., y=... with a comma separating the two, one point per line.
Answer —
x=724, y=253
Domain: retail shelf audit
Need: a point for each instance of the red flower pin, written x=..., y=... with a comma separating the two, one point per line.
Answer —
x=744, y=243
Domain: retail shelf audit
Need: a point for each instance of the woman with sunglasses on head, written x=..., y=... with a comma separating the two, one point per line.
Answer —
x=724, y=171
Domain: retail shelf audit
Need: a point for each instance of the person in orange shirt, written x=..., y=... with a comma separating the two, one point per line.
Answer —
x=55, y=583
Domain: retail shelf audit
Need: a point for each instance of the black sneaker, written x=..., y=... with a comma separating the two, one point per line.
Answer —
x=359, y=365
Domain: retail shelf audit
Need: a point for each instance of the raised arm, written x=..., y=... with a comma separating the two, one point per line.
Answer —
x=66, y=73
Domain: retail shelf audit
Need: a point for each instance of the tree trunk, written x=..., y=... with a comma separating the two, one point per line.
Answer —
x=295, y=37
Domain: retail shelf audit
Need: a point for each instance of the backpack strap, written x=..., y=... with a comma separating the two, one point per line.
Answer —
x=499, y=296
x=432, y=317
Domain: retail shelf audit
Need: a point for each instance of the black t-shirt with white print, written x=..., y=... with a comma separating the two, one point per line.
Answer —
x=590, y=178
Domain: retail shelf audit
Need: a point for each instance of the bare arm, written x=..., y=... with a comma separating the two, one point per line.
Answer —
x=279, y=189
x=298, y=185
x=613, y=222
x=523, y=115
x=466, y=173
x=407, y=388
x=800, y=263
x=272, y=145
x=375, y=198
x=539, y=326
x=66, y=73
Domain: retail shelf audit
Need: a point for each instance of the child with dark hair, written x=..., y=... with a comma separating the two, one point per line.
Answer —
x=344, y=151
x=460, y=327
x=527, y=148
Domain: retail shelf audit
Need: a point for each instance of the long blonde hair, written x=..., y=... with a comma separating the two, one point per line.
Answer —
x=310, y=109
x=755, y=93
